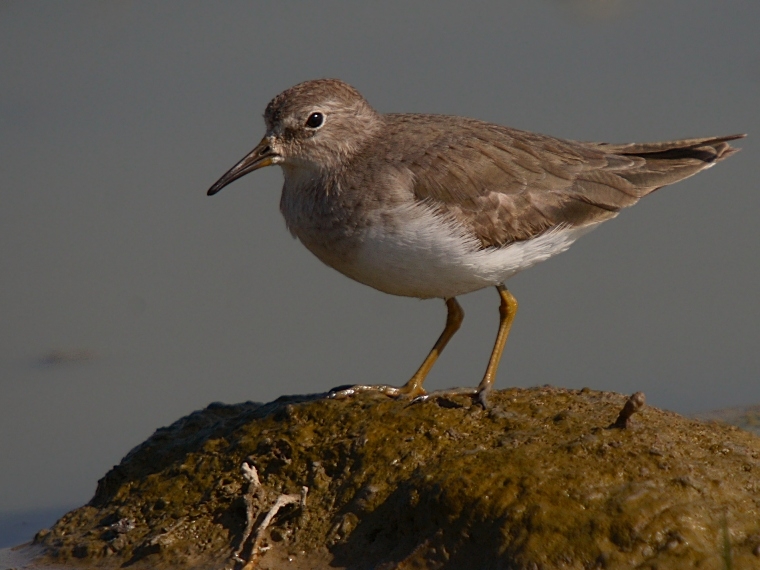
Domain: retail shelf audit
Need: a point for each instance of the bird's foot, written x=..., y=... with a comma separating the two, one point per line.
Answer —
x=479, y=395
x=403, y=392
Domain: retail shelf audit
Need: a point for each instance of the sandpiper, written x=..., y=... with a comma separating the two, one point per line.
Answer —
x=438, y=206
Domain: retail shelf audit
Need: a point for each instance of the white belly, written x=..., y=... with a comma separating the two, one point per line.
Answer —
x=424, y=255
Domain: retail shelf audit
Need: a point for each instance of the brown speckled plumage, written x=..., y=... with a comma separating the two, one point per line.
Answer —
x=502, y=184
x=508, y=185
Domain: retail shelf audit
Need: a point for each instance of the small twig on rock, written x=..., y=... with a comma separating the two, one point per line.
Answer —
x=254, y=489
x=254, y=486
x=281, y=501
x=635, y=403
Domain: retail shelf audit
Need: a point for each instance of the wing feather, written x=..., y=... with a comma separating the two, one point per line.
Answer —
x=506, y=185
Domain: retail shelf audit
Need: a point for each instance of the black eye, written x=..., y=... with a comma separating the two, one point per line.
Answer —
x=315, y=120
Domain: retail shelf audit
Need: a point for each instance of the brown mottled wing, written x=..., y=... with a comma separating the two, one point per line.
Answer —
x=507, y=185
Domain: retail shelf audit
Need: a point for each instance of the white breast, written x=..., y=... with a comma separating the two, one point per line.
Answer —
x=422, y=254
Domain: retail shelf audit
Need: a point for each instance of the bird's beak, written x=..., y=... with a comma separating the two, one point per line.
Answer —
x=259, y=157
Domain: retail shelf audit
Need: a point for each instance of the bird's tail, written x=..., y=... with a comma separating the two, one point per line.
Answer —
x=663, y=163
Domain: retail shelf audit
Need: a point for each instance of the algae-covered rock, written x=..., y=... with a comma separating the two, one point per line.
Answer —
x=539, y=480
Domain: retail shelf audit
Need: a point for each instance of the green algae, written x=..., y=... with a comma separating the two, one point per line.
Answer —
x=539, y=480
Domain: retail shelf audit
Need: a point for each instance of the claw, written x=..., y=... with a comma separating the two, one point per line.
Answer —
x=482, y=398
x=478, y=395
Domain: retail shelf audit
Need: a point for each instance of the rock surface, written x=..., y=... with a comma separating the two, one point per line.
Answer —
x=539, y=480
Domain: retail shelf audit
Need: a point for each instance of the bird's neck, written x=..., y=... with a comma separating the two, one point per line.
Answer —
x=305, y=178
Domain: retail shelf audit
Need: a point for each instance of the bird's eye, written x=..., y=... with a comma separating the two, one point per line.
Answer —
x=315, y=120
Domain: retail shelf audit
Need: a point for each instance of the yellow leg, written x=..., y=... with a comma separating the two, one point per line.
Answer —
x=413, y=388
x=507, y=311
x=454, y=318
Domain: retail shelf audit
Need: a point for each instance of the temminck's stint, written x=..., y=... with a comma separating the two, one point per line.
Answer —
x=439, y=206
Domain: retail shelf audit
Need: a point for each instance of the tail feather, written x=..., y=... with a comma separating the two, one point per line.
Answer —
x=662, y=163
x=716, y=147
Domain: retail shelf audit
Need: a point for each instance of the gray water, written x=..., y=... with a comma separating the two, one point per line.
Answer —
x=17, y=527
x=128, y=298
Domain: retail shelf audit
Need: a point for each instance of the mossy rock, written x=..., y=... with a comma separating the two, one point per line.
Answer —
x=539, y=480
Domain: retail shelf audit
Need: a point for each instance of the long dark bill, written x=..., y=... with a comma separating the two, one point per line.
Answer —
x=259, y=157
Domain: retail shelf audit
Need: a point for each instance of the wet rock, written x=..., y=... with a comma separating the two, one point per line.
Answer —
x=536, y=481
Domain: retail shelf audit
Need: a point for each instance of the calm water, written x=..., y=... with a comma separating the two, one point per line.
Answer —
x=21, y=526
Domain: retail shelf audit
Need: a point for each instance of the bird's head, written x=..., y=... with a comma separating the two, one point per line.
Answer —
x=314, y=126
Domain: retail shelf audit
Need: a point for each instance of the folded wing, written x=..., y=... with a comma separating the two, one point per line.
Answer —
x=506, y=185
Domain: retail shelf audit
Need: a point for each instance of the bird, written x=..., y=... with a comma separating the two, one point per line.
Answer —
x=437, y=206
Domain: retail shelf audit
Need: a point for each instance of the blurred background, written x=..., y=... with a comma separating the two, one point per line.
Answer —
x=128, y=298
